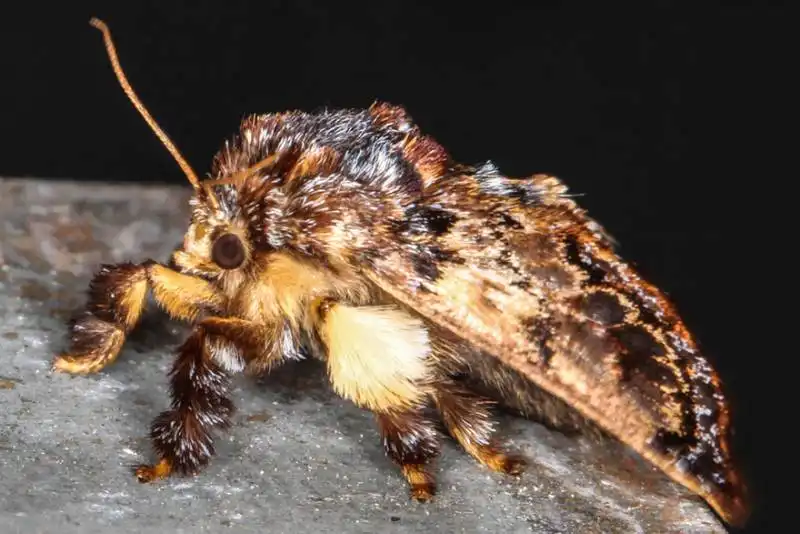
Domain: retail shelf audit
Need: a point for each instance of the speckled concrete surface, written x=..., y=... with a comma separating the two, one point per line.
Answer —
x=297, y=459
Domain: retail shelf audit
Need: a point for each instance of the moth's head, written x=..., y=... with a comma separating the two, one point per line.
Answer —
x=214, y=246
x=217, y=242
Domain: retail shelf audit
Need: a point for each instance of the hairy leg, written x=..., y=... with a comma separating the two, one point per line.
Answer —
x=117, y=295
x=199, y=384
x=469, y=420
x=378, y=357
x=411, y=441
x=199, y=390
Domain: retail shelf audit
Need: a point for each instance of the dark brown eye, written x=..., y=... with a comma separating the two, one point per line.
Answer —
x=228, y=251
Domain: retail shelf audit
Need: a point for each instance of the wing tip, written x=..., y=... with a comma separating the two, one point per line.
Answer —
x=732, y=506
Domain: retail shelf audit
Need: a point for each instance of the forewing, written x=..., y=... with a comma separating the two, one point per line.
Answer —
x=517, y=269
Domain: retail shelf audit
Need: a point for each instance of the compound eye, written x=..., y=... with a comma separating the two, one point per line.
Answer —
x=228, y=251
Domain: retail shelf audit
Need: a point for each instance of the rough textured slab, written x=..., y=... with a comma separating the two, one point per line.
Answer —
x=297, y=459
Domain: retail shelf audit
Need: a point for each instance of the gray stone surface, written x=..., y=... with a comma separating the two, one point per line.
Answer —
x=297, y=459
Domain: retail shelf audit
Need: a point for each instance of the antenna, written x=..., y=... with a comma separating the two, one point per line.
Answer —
x=131, y=94
x=244, y=174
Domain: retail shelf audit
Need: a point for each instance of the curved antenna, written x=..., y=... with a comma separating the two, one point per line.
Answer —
x=123, y=81
x=242, y=175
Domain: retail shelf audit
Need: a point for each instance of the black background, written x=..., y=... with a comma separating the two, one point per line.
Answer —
x=659, y=117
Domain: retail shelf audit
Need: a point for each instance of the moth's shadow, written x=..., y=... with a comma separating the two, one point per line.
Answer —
x=295, y=381
x=308, y=380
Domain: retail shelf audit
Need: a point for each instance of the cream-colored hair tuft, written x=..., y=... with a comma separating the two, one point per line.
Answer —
x=377, y=356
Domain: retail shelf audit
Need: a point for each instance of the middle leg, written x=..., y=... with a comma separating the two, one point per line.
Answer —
x=411, y=441
x=379, y=358
x=199, y=387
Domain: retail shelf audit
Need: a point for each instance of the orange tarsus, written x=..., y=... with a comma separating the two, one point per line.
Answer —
x=151, y=473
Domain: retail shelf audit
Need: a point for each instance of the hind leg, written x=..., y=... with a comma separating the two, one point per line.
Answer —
x=469, y=420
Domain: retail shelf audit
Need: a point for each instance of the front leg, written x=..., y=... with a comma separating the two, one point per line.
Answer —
x=199, y=384
x=117, y=295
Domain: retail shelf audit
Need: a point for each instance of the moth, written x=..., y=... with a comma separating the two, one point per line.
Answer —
x=432, y=290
